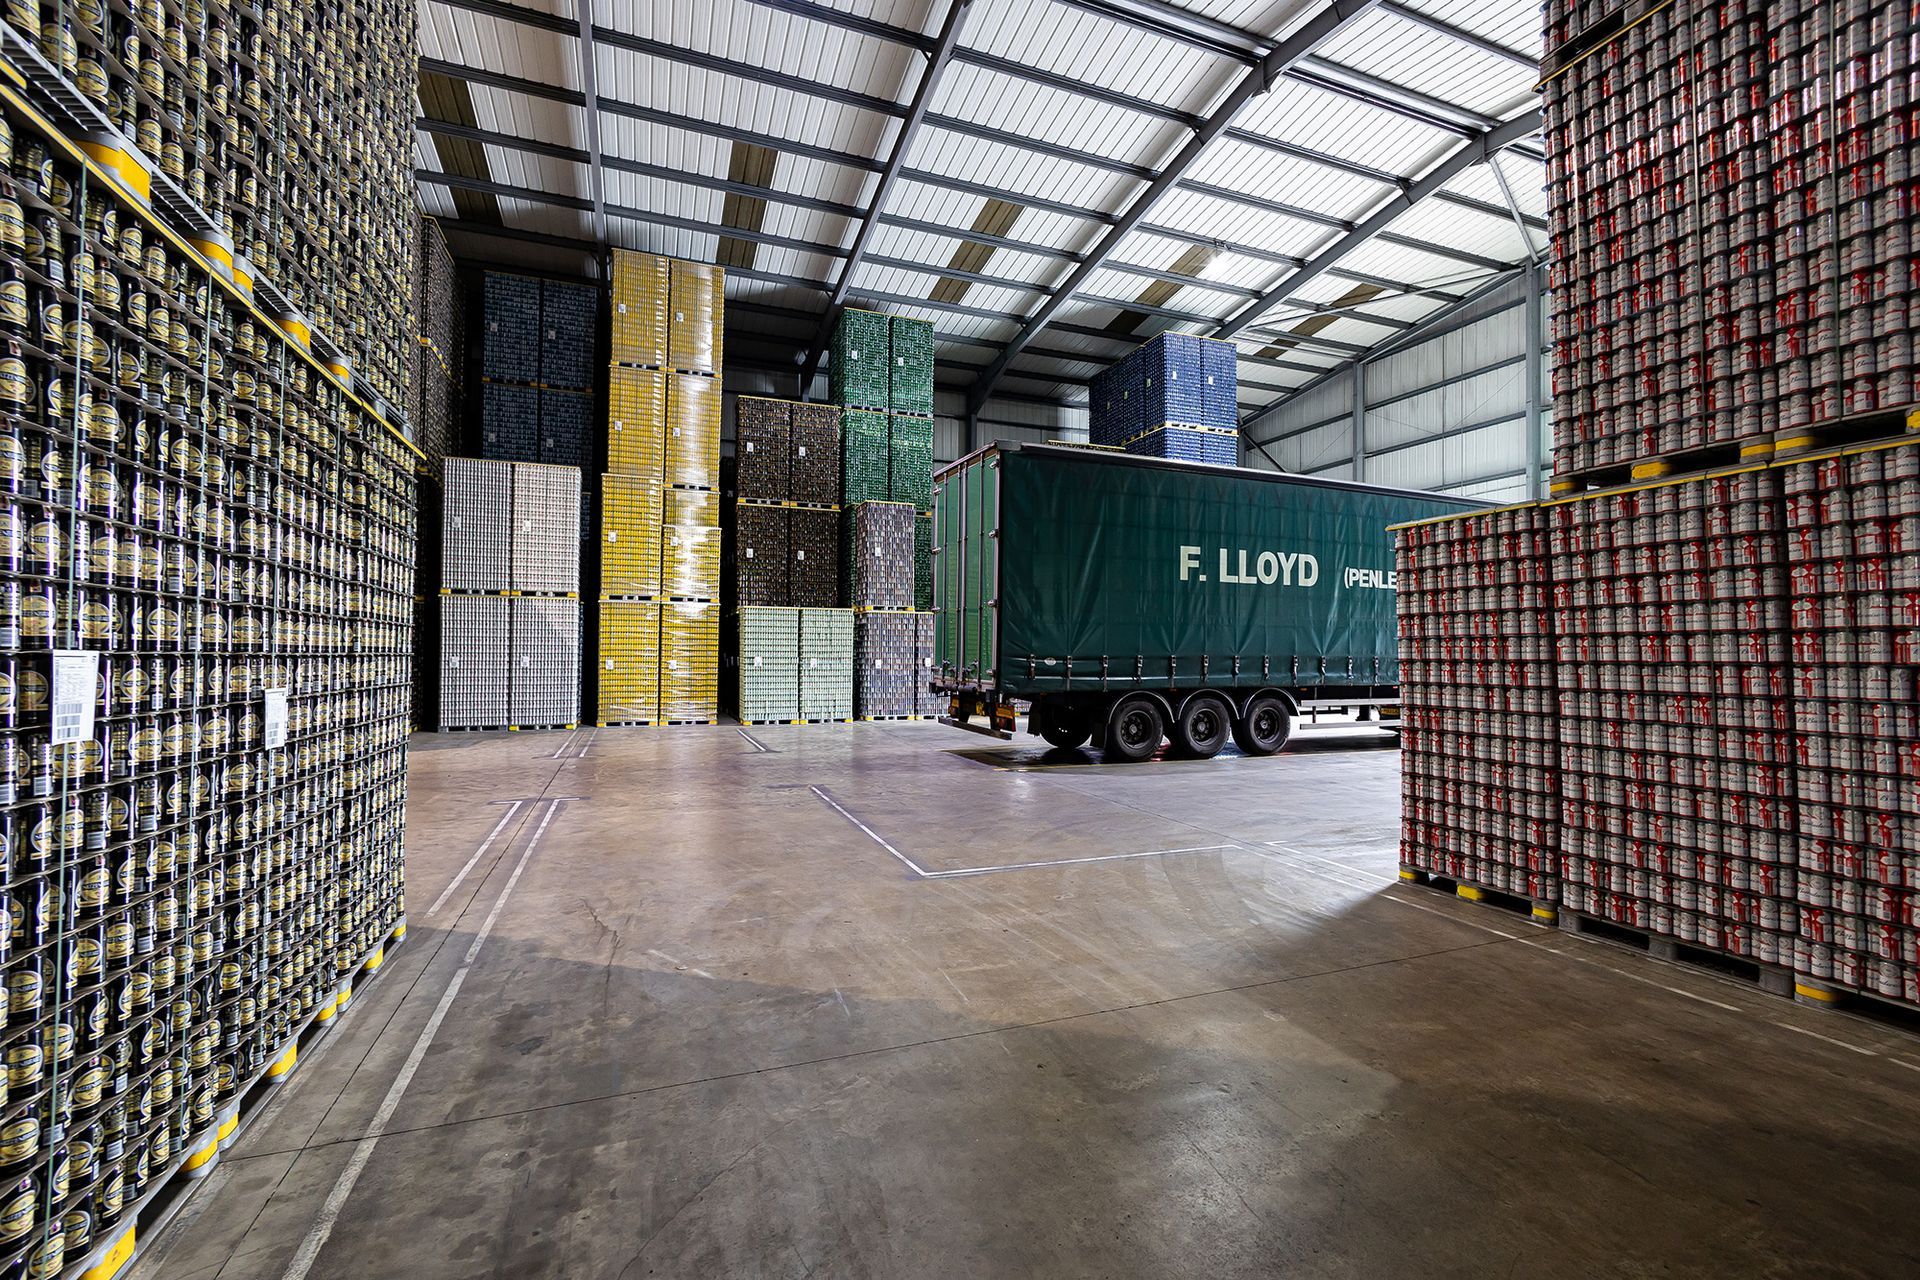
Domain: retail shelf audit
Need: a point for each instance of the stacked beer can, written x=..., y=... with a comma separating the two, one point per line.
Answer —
x=1853, y=549
x=1480, y=767
x=1670, y=611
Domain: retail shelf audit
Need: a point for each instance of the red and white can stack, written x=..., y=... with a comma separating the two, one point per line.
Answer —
x=1853, y=547
x=1732, y=190
x=1675, y=728
x=1479, y=762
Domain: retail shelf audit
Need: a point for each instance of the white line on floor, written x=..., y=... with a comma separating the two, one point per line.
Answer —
x=1829, y=1039
x=479, y=853
x=753, y=741
x=1067, y=862
x=363, y=1150
x=872, y=835
x=1902, y=1062
x=566, y=743
x=661, y=955
x=591, y=735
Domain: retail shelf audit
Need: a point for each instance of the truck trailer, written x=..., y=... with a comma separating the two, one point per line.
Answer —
x=1129, y=600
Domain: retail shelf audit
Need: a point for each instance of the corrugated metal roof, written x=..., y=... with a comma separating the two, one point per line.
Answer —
x=978, y=229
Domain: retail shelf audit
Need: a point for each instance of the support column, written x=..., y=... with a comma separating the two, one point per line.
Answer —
x=1359, y=419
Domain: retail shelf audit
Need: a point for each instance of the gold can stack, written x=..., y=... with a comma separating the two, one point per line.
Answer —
x=207, y=532
x=659, y=499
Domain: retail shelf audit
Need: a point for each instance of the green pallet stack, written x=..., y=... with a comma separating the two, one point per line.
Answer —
x=865, y=456
x=769, y=663
x=910, y=370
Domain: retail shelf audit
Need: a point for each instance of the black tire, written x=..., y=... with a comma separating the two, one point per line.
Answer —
x=1063, y=727
x=1202, y=728
x=1134, y=730
x=1264, y=728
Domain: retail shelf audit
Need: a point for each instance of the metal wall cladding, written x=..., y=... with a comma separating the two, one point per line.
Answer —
x=826, y=664
x=762, y=448
x=690, y=562
x=692, y=454
x=880, y=555
x=763, y=555
x=814, y=536
x=566, y=432
x=636, y=422
x=509, y=422
x=477, y=527
x=510, y=328
x=476, y=655
x=1853, y=576
x=910, y=461
x=1769, y=289
x=639, y=310
x=696, y=316
x=546, y=528
x=859, y=357
x=627, y=672
x=1479, y=755
x=768, y=673
x=926, y=702
x=865, y=458
x=815, y=460
x=1675, y=710
x=689, y=662
x=567, y=314
x=910, y=368
x=544, y=684
x=884, y=664
x=630, y=509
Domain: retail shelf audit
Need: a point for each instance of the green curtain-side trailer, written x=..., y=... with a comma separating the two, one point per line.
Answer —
x=1129, y=599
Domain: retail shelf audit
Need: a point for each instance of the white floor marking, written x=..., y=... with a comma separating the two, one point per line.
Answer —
x=316, y=1239
x=661, y=955
x=566, y=743
x=872, y=835
x=479, y=853
x=754, y=742
x=1902, y=1062
x=591, y=735
x=1068, y=862
x=1829, y=1039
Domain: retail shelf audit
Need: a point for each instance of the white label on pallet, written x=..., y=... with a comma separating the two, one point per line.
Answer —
x=76, y=678
x=273, y=712
x=613, y=535
x=803, y=452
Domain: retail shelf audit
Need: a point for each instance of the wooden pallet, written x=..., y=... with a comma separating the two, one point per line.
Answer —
x=1774, y=979
x=1540, y=911
x=1778, y=445
x=822, y=720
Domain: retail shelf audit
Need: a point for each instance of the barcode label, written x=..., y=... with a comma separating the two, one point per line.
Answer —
x=274, y=719
x=76, y=675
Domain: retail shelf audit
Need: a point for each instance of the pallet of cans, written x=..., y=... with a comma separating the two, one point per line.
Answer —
x=627, y=673
x=762, y=555
x=1676, y=712
x=1733, y=249
x=885, y=665
x=544, y=543
x=630, y=536
x=1853, y=568
x=689, y=663
x=910, y=461
x=1175, y=378
x=544, y=682
x=767, y=664
x=476, y=657
x=879, y=564
x=926, y=702
x=762, y=449
x=696, y=317
x=567, y=334
x=639, y=309
x=866, y=459
x=813, y=537
x=910, y=367
x=205, y=630
x=826, y=664
x=1187, y=443
x=477, y=525
x=859, y=359
x=1480, y=755
x=814, y=463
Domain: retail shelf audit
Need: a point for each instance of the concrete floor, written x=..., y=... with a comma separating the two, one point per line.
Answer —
x=714, y=1028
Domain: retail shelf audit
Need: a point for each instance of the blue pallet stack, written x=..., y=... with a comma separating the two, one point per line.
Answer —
x=1176, y=396
x=567, y=313
x=509, y=422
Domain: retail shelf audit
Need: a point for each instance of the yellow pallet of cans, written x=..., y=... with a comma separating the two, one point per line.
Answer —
x=640, y=288
x=629, y=673
x=689, y=662
x=630, y=536
x=696, y=316
x=690, y=561
x=636, y=421
x=690, y=507
x=693, y=430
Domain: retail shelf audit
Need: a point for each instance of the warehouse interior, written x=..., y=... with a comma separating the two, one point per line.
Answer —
x=985, y=637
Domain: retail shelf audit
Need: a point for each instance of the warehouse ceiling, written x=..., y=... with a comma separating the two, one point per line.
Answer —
x=1049, y=182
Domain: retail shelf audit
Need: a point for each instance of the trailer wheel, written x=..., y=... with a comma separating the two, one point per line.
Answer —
x=1134, y=730
x=1201, y=729
x=1062, y=726
x=1265, y=727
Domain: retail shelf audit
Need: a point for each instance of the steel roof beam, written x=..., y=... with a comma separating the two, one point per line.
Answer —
x=953, y=124
x=500, y=231
x=519, y=13
x=583, y=10
x=665, y=52
x=865, y=26
x=1257, y=81
x=937, y=59
x=1442, y=251
x=1079, y=88
x=1294, y=211
x=960, y=233
x=1061, y=207
x=1472, y=152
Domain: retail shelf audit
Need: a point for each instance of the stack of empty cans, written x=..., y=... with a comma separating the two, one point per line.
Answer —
x=536, y=354
x=886, y=656
x=1176, y=396
x=1730, y=205
x=509, y=604
x=660, y=535
x=1480, y=773
x=880, y=556
x=826, y=664
x=768, y=664
x=1853, y=551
